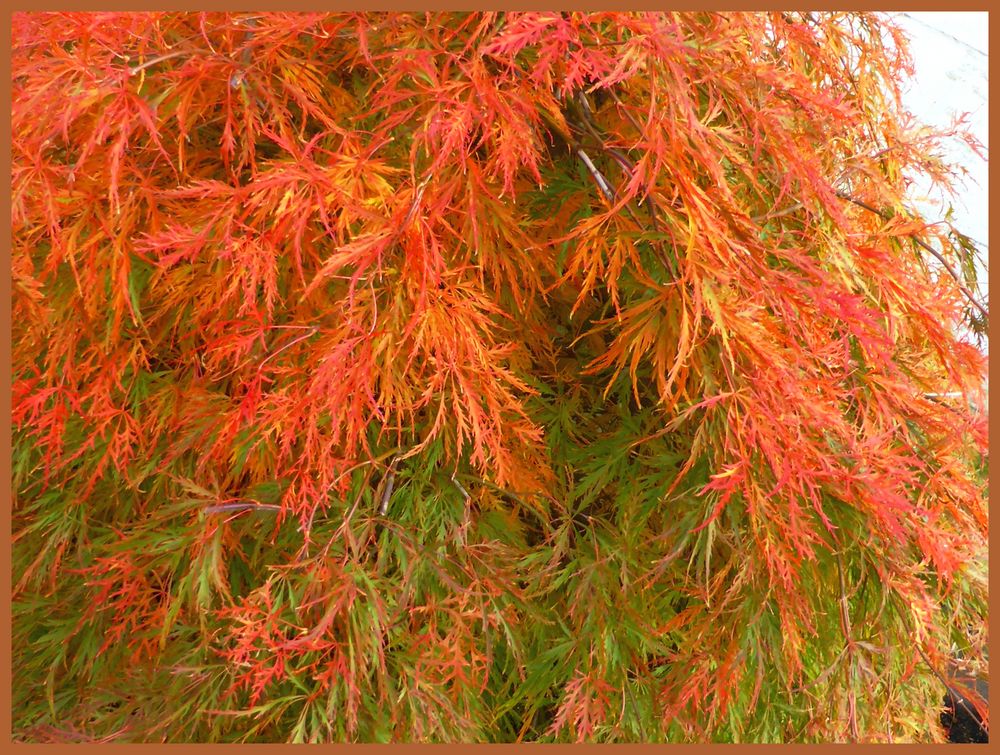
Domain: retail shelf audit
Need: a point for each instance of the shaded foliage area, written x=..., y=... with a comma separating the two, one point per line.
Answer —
x=487, y=377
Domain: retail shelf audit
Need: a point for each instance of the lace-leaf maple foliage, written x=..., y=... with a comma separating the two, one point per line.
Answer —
x=489, y=377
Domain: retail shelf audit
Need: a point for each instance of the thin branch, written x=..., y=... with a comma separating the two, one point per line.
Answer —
x=782, y=213
x=240, y=506
x=927, y=248
x=461, y=489
x=410, y=213
x=631, y=118
x=825, y=673
x=312, y=331
x=845, y=621
x=345, y=524
x=602, y=182
x=627, y=166
x=388, y=485
x=371, y=287
x=158, y=59
x=956, y=694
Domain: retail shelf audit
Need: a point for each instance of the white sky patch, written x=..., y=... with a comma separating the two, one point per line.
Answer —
x=951, y=77
x=950, y=58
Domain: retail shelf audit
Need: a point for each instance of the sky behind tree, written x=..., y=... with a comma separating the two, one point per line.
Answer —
x=950, y=57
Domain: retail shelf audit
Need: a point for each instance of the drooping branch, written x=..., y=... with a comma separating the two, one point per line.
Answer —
x=927, y=248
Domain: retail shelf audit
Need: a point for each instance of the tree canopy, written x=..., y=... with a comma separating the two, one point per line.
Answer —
x=487, y=377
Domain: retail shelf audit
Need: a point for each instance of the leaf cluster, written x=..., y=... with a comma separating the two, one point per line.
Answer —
x=486, y=377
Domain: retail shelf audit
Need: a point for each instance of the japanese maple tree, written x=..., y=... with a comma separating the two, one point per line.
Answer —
x=487, y=377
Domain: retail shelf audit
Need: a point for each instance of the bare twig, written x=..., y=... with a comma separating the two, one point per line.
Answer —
x=313, y=329
x=461, y=489
x=627, y=166
x=158, y=59
x=387, y=486
x=631, y=118
x=418, y=195
x=345, y=524
x=845, y=620
x=240, y=506
x=602, y=182
x=773, y=215
x=825, y=673
x=307, y=529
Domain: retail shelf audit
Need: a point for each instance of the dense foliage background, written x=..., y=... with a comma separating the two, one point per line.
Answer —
x=491, y=377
